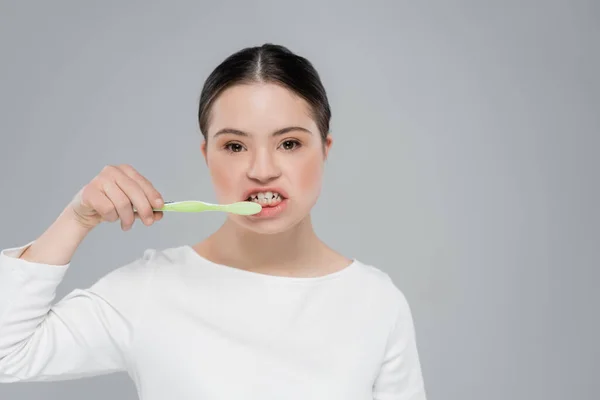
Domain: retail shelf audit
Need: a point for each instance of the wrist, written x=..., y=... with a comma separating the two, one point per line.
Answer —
x=59, y=242
x=69, y=219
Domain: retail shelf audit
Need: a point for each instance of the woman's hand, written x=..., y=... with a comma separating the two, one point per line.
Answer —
x=113, y=194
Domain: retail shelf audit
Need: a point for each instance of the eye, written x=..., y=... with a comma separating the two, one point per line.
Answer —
x=234, y=147
x=290, y=144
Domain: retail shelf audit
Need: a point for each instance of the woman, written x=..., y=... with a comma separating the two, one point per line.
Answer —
x=261, y=309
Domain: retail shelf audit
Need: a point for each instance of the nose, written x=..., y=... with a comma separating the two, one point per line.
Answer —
x=263, y=167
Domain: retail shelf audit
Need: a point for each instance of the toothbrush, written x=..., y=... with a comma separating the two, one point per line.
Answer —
x=194, y=206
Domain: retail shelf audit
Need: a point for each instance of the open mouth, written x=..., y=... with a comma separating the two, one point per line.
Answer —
x=266, y=199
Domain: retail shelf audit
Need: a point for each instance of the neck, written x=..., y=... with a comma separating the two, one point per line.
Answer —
x=273, y=253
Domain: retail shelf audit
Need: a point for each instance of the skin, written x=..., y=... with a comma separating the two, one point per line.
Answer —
x=287, y=244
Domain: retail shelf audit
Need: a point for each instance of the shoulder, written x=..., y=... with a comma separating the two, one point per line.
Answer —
x=381, y=285
x=138, y=272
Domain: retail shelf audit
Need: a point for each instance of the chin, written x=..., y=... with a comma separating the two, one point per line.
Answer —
x=265, y=227
x=266, y=224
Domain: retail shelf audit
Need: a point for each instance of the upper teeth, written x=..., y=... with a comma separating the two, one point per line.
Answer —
x=265, y=197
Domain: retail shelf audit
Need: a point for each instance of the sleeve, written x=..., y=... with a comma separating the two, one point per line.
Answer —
x=400, y=376
x=86, y=333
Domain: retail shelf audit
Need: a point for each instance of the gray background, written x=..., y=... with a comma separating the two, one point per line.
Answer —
x=465, y=161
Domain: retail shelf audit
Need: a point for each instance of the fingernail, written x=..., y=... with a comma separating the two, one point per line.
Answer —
x=158, y=202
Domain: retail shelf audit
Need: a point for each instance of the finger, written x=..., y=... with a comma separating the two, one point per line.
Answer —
x=153, y=195
x=92, y=198
x=156, y=215
x=137, y=197
x=121, y=203
x=103, y=206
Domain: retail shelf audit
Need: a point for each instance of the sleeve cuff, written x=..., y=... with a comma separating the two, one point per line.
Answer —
x=9, y=259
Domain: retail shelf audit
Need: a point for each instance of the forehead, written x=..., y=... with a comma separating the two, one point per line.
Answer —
x=260, y=109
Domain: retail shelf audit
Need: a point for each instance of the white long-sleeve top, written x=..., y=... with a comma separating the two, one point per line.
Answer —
x=183, y=327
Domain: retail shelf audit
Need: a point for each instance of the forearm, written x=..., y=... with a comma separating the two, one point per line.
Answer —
x=59, y=242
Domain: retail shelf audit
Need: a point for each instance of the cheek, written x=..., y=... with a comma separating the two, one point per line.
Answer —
x=308, y=175
x=225, y=178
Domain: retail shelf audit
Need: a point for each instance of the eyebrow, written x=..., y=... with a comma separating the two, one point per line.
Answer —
x=276, y=133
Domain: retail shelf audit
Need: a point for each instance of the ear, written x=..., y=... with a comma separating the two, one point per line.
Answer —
x=328, y=144
x=203, y=150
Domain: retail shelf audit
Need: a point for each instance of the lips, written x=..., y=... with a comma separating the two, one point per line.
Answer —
x=272, y=199
x=265, y=195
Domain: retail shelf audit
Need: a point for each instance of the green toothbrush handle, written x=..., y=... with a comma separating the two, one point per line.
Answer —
x=188, y=206
x=193, y=206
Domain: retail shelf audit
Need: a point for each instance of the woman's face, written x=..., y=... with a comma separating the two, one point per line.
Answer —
x=263, y=145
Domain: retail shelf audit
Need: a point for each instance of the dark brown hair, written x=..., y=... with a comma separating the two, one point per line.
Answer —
x=268, y=63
